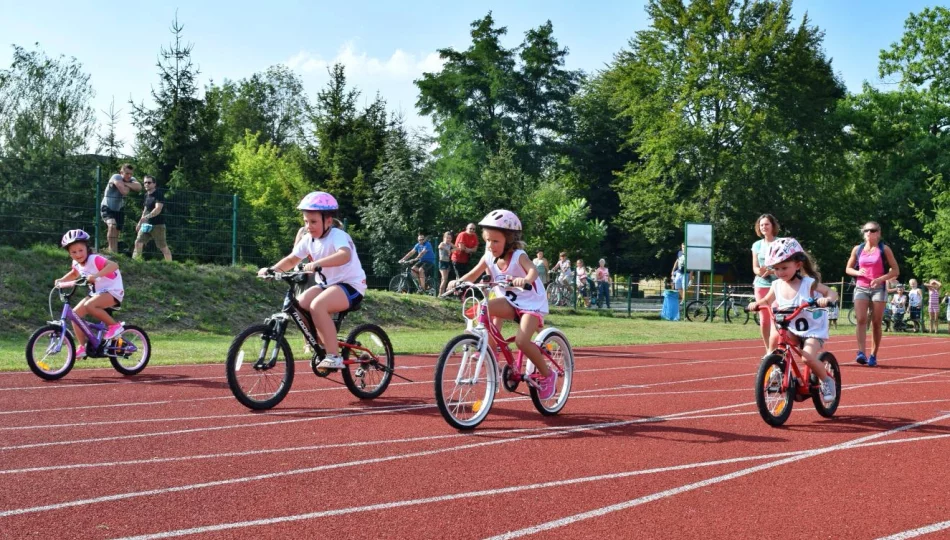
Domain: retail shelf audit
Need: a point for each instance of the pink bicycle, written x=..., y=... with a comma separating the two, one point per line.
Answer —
x=467, y=374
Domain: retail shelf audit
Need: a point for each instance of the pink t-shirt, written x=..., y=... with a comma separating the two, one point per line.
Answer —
x=601, y=274
x=872, y=265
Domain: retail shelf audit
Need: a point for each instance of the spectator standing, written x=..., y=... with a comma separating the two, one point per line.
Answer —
x=466, y=243
x=681, y=279
x=602, y=277
x=445, y=260
x=933, y=304
x=542, y=265
x=583, y=291
x=113, y=201
x=873, y=264
x=766, y=228
x=915, y=299
x=151, y=225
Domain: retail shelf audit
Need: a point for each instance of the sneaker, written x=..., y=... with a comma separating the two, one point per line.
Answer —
x=113, y=331
x=872, y=361
x=861, y=359
x=331, y=361
x=775, y=381
x=547, y=385
x=81, y=351
x=828, y=393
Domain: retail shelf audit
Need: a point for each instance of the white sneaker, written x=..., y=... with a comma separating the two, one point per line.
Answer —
x=331, y=361
x=828, y=393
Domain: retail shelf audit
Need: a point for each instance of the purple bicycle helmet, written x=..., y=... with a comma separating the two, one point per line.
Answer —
x=318, y=201
x=505, y=220
x=73, y=236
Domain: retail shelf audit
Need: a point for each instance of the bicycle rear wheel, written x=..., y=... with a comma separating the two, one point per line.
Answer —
x=697, y=311
x=47, y=358
x=831, y=366
x=557, y=346
x=774, y=404
x=464, y=391
x=371, y=376
x=130, y=352
x=260, y=369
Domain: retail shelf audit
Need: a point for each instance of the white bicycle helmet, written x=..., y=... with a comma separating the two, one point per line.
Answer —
x=318, y=201
x=73, y=236
x=782, y=250
x=505, y=220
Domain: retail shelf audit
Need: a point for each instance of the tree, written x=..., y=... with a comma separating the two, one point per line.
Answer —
x=270, y=103
x=109, y=142
x=732, y=114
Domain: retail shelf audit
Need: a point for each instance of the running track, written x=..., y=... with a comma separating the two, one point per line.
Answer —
x=656, y=441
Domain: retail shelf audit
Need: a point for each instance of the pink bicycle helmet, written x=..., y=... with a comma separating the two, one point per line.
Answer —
x=782, y=250
x=73, y=236
x=318, y=201
x=505, y=220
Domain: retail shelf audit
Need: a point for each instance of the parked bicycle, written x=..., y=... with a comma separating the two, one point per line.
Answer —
x=730, y=307
x=51, y=350
x=899, y=323
x=559, y=290
x=779, y=382
x=260, y=363
x=467, y=372
x=406, y=282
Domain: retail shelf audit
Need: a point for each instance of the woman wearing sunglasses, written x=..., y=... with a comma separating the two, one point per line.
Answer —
x=873, y=264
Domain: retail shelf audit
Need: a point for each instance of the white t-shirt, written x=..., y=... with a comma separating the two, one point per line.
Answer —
x=110, y=283
x=810, y=323
x=534, y=300
x=350, y=273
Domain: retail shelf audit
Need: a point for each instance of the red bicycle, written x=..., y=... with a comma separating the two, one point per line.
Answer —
x=779, y=382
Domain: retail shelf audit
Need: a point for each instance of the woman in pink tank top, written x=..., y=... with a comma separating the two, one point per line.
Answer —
x=867, y=265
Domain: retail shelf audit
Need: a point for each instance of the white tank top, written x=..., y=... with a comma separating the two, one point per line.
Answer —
x=810, y=323
x=534, y=300
x=110, y=283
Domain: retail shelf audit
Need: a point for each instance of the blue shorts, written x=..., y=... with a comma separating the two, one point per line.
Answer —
x=679, y=281
x=354, y=297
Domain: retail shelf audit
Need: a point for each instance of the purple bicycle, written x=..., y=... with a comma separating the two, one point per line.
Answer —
x=51, y=350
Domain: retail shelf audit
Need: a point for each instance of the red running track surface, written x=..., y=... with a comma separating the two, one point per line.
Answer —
x=656, y=441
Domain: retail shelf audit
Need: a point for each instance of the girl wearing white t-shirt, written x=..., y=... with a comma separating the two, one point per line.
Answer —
x=331, y=251
x=106, y=289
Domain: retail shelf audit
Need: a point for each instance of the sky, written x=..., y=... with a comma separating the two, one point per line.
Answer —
x=385, y=45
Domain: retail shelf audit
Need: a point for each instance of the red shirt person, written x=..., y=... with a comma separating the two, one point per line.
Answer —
x=466, y=243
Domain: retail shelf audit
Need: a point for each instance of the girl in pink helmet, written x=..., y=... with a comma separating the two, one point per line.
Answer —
x=798, y=280
x=331, y=251
x=106, y=290
x=505, y=256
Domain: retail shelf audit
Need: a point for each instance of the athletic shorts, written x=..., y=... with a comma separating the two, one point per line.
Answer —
x=444, y=265
x=872, y=295
x=108, y=214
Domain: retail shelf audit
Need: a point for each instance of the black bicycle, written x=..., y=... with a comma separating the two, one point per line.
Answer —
x=260, y=363
x=407, y=282
x=731, y=307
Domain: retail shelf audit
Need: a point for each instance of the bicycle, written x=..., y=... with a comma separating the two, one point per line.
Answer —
x=407, y=283
x=779, y=382
x=899, y=324
x=129, y=352
x=260, y=363
x=558, y=290
x=698, y=310
x=467, y=373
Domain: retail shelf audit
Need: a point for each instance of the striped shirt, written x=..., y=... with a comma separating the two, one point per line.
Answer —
x=934, y=299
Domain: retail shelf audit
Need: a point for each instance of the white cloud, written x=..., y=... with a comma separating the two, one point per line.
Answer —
x=401, y=65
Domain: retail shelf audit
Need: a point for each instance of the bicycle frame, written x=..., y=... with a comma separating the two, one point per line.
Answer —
x=789, y=351
x=92, y=331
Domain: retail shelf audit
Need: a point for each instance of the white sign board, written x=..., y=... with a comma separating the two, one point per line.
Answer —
x=699, y=247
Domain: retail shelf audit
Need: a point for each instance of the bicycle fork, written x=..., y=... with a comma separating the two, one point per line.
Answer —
x=481, y=351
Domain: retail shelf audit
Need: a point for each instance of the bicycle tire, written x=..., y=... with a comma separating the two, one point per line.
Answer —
x=235, y=363
x=831, y=365
x=912, y=326
x=398, y=284
x=40, y=366
x=132, y=335
x=452, y=399
x=376, y=365
x=775, y=406
x=697, y=311
x=431, y=288
x=557, y=345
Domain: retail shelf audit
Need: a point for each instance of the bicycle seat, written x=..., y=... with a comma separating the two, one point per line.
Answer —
x=113, y=309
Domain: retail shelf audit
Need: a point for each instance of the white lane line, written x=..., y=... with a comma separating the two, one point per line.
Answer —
x=189, y=487
x=795, y=455
x=936, y=527
x=570, y=520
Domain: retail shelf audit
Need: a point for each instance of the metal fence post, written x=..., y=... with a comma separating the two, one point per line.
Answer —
x=95, y=207
x=234, y=218
x=630, y=295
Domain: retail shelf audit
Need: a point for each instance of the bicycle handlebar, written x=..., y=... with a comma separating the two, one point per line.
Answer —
x=463, y=285
x=294, y=276
x=808, y=303
x=81, y=282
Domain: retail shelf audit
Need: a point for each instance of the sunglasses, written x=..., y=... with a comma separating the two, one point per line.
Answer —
x=870, y=230
x=147, y=183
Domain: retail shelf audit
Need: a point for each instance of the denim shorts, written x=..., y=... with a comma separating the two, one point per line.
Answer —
x=873, y=295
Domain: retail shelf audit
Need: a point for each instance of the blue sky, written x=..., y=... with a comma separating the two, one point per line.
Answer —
x=384, y=45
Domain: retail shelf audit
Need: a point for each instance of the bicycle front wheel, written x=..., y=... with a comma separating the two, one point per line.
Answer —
x=399, y=284
x=130, y=352
x=260, y=368
x=372, y=352
x=49, y=353
x=831, y=366
x=465, y=382
x=562, y=360
x=697, y=311
x=774, y=404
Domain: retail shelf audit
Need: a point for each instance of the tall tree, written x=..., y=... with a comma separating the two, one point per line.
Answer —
x=271, y=103
x=109, y=141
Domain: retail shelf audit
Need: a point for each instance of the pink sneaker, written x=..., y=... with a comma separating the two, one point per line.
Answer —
x=81, y=351
x=547, y=385
x=113, y=331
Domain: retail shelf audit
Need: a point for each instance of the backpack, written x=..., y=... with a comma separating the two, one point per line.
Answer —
x=880, y=245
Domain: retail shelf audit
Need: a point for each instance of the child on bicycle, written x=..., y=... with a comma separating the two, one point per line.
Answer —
x=583, y=289
x=106, y=290
x=505, y=257
x=798, y=280
x=331, y=251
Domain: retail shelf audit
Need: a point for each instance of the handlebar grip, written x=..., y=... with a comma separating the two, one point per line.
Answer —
x=528, y=286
